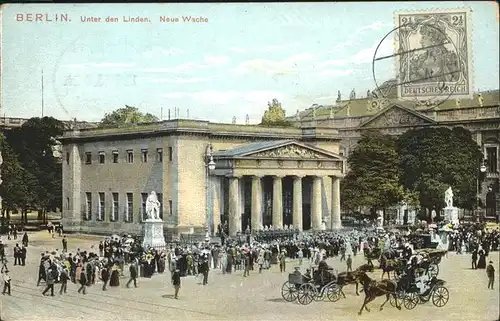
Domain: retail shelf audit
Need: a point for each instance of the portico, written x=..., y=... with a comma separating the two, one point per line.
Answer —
x=278, y=183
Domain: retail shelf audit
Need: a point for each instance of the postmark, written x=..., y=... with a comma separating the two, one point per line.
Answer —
x=434, y=55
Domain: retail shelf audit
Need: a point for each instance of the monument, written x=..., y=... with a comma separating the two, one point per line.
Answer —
x=380, y=220
x=450, y=212
x=153, y=225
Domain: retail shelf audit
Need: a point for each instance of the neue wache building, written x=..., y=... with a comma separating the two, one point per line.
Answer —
x=203, y=173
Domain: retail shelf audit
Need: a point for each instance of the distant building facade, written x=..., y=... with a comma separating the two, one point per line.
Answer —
x=480, y=115
x=263, y=176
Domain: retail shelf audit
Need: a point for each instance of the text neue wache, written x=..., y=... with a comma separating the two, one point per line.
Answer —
x=63, y=17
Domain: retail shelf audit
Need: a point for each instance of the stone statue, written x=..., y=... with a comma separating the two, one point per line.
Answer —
x=448, y=197
x=297, y=115
x=234, y=120
x=339, y=97
x=286, y=227
x=314, y=113
x=247, y=119
x=480, y=100
x=368, y=94
x=380, y=219
x=152, y=207
x=352, y=95
x=331, y=112
x=266, y=228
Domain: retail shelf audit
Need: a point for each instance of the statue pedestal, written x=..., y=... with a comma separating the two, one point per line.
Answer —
x=153, y=234
x=451, y=214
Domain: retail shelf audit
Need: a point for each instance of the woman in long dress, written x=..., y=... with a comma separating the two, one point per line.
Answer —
x=115, y=276
x=481, y=264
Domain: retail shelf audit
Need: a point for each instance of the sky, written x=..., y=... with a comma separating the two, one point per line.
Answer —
x=229, y=66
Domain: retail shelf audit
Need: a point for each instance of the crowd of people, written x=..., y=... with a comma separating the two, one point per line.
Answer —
x=252, y=253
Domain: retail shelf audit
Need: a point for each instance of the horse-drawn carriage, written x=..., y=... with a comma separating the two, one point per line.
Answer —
x=431, y=260
x=305, y=289
x=412, y=294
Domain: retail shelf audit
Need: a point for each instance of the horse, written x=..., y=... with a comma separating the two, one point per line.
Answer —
x=345, y=278
x=389, y=265
x=374, y=289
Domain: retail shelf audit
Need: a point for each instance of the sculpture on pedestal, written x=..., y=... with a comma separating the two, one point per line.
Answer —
x=153, y=225
x=450, y=212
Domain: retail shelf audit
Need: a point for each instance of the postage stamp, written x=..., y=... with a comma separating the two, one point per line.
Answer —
x=433, y=54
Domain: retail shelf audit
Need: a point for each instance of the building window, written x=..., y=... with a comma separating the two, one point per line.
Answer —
x=170, y=208
x=130, y=156
x=144, y=155
x=67, y=158
x=130, y=208
x=160, y=199
x=67, y=203
x=88, y=158
x=170, y=154
x=115, y=156
x=102, y=207
x=102, y=157
x=88, y=206
x=144, y=198
x=115, y=207
x=492, y=157
x=159, y=155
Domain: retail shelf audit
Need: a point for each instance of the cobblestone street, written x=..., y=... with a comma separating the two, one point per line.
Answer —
x=229, y=297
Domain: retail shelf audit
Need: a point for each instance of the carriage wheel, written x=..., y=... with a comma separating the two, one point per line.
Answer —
x=307, y=293
x=433, y=270
x=289, y=292
x=319, y=295
x=399, y=295
x=333, y=293
x=411, y=300
x=440, y=296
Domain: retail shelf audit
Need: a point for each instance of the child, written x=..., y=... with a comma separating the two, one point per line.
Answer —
x=349, y=263
x=490, y=272
x=176, y=281
x=6, y=281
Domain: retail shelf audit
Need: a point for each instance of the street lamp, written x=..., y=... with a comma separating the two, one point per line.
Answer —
x=209, y=167
x=482, y=169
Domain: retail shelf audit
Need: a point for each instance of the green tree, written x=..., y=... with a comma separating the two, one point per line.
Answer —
x=432, y=159
x=126, y=116
x=16, y=182
x=275, y=115
x=373, y=178
x=36, y=146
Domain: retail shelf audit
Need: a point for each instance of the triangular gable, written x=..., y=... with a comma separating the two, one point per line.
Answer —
x=396, y=116
x=293, y=149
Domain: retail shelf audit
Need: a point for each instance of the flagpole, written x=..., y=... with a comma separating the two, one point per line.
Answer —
x=42, y=93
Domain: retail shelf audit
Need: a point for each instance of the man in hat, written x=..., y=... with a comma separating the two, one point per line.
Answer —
x=490, y=272
x=176, y=282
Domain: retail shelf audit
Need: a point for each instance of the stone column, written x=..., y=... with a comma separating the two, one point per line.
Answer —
x=297, y=202
x=316, y=204
x=256, y=203
x=336, y=220
x=217, y=201
x=277, y=202
x=234, y=209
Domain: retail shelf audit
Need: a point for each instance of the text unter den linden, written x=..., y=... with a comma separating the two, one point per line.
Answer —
x=60, y=17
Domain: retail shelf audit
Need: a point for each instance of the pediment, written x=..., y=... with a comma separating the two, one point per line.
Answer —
x=396, y=116
x=294, y=150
